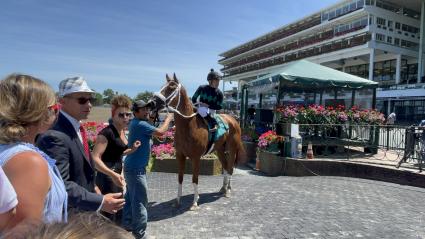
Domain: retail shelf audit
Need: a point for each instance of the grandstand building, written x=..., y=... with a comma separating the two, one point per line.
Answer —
x=374, y=39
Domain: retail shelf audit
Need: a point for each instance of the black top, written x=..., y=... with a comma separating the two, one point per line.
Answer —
x=251, y=111
x=115, y=147
x=209, y=95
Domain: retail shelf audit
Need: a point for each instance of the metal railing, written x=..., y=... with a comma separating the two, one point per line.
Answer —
x=407, y=141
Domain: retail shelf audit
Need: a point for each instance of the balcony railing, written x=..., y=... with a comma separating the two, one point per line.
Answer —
x=292, y=46
x=290, y=30
x=326, y=48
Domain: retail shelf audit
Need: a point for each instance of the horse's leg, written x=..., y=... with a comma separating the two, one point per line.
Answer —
x=195, y=173
x=181, y=161
x=231, y=157
x=222, y=157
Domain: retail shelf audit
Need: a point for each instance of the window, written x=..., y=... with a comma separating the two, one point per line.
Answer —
x=324, y=16
x=380, y=21
x=397, y=25
x=370, y=2
x=389, y=40
x=338, y=11
x=397, y=41
x=331, y=15
x=390, y=23
x=346, y=8
x=380, y=37
x=353, y=6
x=404, y=27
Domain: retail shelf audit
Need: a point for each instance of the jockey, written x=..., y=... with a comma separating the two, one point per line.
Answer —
x=210, y=99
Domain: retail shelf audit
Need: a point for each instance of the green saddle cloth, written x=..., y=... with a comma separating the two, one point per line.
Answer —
x=223, y=127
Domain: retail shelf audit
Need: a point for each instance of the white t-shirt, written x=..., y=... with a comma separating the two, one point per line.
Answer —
x=391, y=118
x=8, y=199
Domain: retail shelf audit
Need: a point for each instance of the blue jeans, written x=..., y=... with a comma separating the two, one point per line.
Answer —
x=135, y=214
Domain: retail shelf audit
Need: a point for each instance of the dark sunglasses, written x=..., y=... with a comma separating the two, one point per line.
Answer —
x=128, y=115
x=83, y=100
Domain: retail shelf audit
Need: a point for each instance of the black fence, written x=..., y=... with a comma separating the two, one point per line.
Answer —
x=327, y=138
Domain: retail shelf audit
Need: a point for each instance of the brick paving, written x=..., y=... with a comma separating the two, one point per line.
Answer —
x=286, y=207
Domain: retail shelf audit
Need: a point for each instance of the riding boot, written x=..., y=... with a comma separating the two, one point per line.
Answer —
x=212, y=123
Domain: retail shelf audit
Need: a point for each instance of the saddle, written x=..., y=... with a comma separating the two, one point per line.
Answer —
x=213, y=136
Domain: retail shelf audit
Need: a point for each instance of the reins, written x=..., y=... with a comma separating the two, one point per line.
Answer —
x=170, y=98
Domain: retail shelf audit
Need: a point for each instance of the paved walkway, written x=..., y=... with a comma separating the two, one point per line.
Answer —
x=286, y=207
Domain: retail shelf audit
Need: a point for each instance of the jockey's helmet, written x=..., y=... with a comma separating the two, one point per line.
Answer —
x=213, y=75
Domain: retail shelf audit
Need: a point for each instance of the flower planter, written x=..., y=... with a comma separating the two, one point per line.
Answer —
x=270, y=163
x=208, y=166
x=251, y=151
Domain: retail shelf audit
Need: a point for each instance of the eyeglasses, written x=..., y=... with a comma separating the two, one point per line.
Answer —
x=83, y=100
x=54, y=108
x=123, y=115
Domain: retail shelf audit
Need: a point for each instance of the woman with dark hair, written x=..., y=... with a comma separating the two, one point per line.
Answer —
x=111, y=145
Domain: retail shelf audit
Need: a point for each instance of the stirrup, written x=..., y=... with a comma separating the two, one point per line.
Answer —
x=213, y=129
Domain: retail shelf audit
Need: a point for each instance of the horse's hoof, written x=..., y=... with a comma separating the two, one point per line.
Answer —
x=222, y=190
x=227, y=193
x=194, y=207
x=176, y=204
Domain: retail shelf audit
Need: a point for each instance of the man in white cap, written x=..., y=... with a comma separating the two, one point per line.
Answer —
x=66, y=142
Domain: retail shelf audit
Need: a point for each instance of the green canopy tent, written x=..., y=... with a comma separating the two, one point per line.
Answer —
x=305, y=76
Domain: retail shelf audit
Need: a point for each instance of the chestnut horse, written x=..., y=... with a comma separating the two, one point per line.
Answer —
x=191, y=137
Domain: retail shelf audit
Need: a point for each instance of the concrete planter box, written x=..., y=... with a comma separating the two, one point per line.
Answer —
x=270, y=163
x=208, y=166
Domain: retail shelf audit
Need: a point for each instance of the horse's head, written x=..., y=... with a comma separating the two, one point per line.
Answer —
x=169, y=95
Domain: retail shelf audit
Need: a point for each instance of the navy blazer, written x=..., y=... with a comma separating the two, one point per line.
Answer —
x=61, y=143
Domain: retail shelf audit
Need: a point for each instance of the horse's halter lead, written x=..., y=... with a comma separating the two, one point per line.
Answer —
x=170, y=98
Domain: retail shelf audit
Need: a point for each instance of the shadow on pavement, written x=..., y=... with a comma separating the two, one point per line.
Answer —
x=165, y=210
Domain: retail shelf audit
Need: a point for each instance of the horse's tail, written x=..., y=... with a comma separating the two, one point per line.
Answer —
x=240, y=157
x=240, y=149
x=240, y=153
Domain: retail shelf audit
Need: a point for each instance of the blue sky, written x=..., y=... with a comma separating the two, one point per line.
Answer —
x=129, y=46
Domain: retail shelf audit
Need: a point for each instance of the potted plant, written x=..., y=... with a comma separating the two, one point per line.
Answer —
x=249, y=140
x=163, y=157
x=286, y=115
x=268, y=153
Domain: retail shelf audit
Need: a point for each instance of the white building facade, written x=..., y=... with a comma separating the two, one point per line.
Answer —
x=378, y=40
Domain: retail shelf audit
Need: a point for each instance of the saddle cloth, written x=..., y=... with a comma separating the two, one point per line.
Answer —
x=222, y=128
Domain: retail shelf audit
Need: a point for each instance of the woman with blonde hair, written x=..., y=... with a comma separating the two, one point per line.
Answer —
x=27, y=108
x=111, y=146
x=80, y=225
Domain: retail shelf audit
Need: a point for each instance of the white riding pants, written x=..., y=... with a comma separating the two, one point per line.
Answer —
x=204, y=111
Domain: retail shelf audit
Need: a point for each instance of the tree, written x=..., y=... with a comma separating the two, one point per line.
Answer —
x=99, y=99
x=108, y=95
x=146, y=95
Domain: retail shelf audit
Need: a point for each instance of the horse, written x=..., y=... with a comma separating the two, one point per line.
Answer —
x=191, y=137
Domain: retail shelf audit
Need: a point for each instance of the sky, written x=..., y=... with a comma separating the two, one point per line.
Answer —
x=129, y=46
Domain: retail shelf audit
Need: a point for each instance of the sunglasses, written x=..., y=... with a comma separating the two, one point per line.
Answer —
x=54, y=108
x=123, y=115
x=83, y=100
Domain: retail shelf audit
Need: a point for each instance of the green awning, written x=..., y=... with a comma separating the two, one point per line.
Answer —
x=306, y=76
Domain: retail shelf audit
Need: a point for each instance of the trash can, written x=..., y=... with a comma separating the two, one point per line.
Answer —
x=285, y=147
x=296, y=147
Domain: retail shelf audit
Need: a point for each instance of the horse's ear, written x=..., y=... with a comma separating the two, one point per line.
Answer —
x=167, y=77
x=175, y=78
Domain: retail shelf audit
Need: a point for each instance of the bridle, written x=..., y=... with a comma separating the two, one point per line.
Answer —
x=170, y=98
